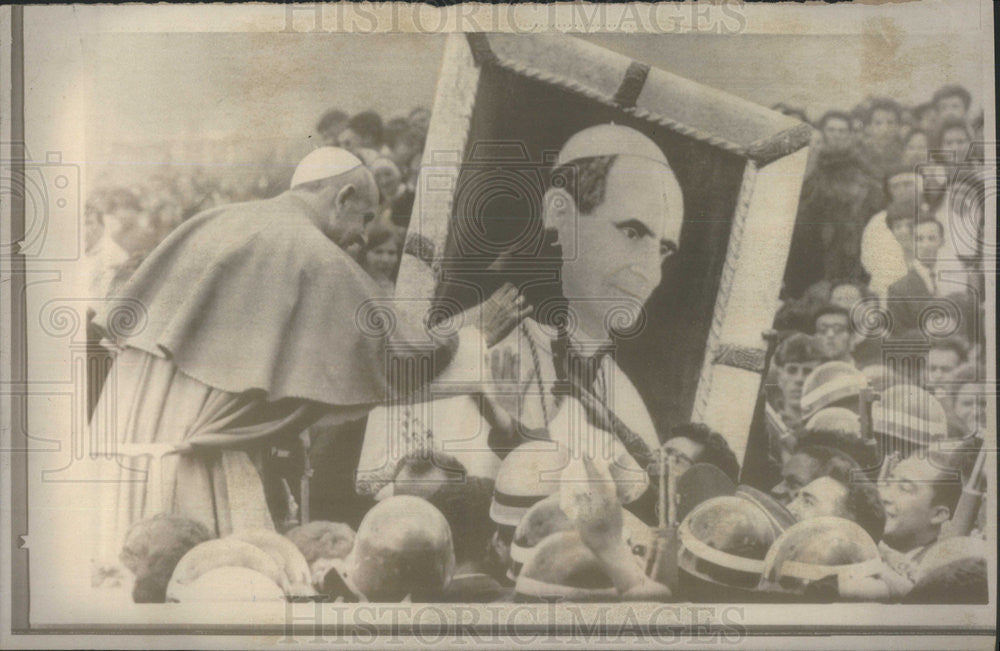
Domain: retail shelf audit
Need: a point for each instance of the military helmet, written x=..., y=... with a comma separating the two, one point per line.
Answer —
x=907, y=418
x=818, y=550
x=830, y=384
x=562, y=568
x=403, y=547
x=723, y=544
x=228, y=583
x=530, y=473
x=879, y=376
x=836, y=419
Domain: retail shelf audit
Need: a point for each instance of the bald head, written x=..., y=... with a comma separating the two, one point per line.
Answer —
x=341, y=191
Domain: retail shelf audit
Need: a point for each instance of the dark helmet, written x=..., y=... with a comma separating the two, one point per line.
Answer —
x=701, y=482
x=808, y=561
x=723, y=544
x=564, y=569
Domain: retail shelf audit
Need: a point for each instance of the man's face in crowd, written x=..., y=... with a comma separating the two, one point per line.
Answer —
x=916, y=149
x=387, y=180
x=910, y=519
x=941, y=363
x=928, y=120
x=884, y=126
x=902, y=230
x=382, y=259
x=833, y=336
x=837, y=134
x=957, y=142
x=845, y=296
x=682, y=453
x=350, y=140
x=928, y=241
x=621, y=244
x=798, y=471
x=821, y=497
x=791, y=376
x=902, y=186
x=951, y=107
x=970, y=407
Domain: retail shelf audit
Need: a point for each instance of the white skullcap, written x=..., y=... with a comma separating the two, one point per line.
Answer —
x=610, y=140
x=324, y=163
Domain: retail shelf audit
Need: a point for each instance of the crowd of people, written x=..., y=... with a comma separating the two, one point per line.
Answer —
x=125, y=220
x=864, y=475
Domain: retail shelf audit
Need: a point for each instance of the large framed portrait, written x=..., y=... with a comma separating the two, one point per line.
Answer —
x=504, y=108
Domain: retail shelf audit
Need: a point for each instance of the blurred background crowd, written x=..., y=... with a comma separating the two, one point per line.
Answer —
x=130, y=211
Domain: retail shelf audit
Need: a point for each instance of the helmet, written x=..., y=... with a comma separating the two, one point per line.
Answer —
x=814, y=550
x=563, y=568
x=547, y=517
x=228, y=583
x=541, y=520
x=837, y=419
x=403, y=547
x=907, y=418
x=949, y=550
x=879, y=376
x=829, y=384
x=723, y=544
x=321, y=539
x=530, y=473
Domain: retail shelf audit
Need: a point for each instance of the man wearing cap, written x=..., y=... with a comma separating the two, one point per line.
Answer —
x=616, y=209
x=246, y=331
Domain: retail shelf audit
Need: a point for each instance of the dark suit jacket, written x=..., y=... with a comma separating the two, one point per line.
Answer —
x=908, y=297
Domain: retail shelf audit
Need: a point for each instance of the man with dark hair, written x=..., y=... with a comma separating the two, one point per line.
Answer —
x=952, y=141
x=840, y=493
x=836, y=129
x=330, y=125
x=919, y=494
x=882, y=146
x=837, y=198
x=943, y=358
x=952, y=102
x=363, y=132
x=795, y=358
x=833, y=333
x=806, y=463
x=692, y=443
x=908, y=296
